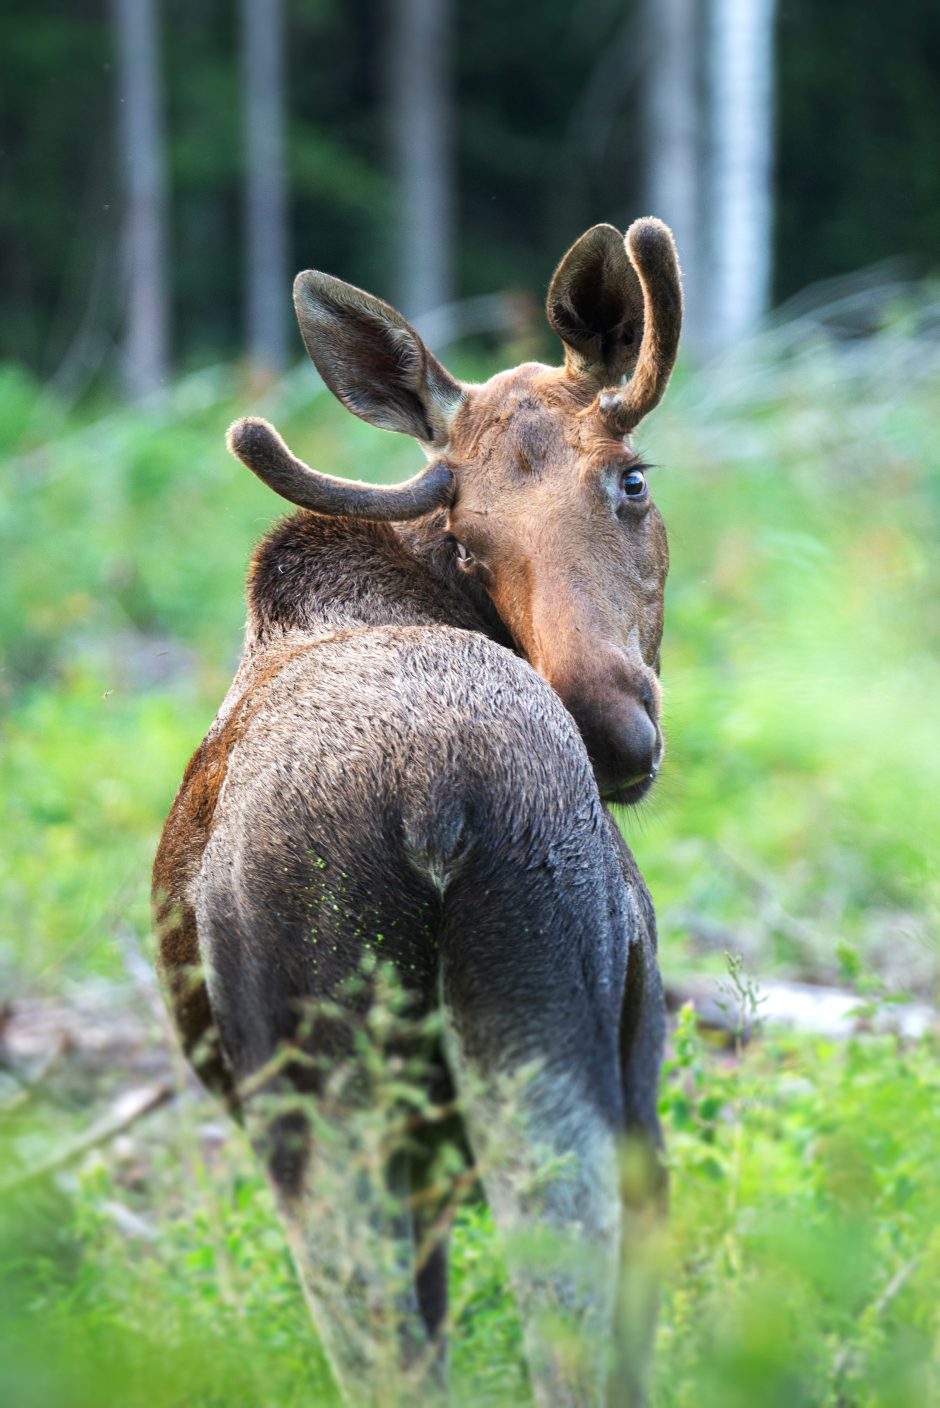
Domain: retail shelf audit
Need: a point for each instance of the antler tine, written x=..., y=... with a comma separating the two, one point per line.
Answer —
x=258, y=445
x=652, y=252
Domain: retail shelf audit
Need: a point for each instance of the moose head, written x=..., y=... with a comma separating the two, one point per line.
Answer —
x=541, y=498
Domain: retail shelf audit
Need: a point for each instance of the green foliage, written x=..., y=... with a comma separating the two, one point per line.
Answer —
x=207, y=1314
x=802, y=496
x=802, y=1249
x=800, y=1259
x=801, y=788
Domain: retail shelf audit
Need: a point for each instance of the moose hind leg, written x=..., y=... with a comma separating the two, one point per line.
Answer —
x=348, y=1221
x=532, y=971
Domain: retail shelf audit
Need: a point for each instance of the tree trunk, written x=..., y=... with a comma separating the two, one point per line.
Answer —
x=267, y=290
x=143, y=161
x=741, y=56
x=421, y=112
x=673, y=143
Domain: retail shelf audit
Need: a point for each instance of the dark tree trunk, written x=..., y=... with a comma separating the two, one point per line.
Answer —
x=267, y=286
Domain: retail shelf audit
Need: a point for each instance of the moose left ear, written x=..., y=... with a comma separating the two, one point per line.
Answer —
x=595, y=304
x=374, y=361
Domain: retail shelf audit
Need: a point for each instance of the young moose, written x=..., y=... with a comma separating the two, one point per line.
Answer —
x=444, y=684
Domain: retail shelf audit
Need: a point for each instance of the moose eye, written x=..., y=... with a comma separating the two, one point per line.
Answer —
x=633, y=483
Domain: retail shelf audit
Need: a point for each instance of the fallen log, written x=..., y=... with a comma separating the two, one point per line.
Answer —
x=800, y=1007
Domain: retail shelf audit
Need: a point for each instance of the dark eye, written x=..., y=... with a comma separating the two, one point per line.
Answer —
x=633, y=483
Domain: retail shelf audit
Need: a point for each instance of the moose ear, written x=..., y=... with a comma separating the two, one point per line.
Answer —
x=374, y=361
x=595, y=304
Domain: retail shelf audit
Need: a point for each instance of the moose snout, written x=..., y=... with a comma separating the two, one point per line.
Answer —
x=639, y=744
x=616, y=708
x=625, y=746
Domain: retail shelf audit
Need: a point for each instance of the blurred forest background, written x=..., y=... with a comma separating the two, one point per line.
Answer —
x=167, y=167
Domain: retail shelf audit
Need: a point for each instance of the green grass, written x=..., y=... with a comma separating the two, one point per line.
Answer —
x=796, y=821
x=800, y=1261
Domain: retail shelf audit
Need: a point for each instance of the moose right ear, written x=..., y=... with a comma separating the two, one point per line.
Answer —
x=595, y=304
x=374, y=361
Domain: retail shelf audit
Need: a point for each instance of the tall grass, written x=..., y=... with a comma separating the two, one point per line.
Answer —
x=800, y=1259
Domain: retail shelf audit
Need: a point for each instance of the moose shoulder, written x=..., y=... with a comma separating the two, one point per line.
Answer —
x=443, y=684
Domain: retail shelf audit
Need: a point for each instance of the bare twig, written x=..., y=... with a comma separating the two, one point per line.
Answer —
x=894, y=1287
x=897, y=1283
x=802, y=935
x=130, y=1223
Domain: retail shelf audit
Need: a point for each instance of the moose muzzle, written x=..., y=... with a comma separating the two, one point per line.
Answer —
x=615, y=704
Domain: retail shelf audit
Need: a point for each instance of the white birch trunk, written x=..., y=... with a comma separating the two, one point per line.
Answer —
x=673, y=142
x=267, y=287
x=741, y=59
x=421, y=112
x=145, y=204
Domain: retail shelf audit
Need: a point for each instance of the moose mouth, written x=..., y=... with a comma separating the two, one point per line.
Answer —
x=627, y=794
x=625, y=750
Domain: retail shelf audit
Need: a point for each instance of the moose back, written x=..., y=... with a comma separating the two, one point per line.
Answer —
x=444, y=684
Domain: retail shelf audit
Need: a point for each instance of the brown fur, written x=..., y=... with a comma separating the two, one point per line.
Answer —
x=175, y=869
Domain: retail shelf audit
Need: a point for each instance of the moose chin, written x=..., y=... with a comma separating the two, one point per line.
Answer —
x=444, y=683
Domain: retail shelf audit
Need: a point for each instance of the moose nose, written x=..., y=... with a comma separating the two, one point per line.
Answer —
x=624, y=745
x=638, y=745
x=616, y=707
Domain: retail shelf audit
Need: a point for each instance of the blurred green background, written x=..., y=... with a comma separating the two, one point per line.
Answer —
x=797, y=466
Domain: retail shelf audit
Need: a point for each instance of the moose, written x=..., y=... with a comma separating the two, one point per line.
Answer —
x=445, y=685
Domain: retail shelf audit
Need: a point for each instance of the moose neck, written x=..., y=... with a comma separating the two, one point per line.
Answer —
x=315, y=575
x=429, y=543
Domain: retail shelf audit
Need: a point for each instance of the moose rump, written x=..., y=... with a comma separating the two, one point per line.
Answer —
x=418, y=818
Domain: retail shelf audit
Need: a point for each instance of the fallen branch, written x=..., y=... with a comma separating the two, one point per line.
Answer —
x=126, y=1111
x=128, y=1222
x=31, y=1085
